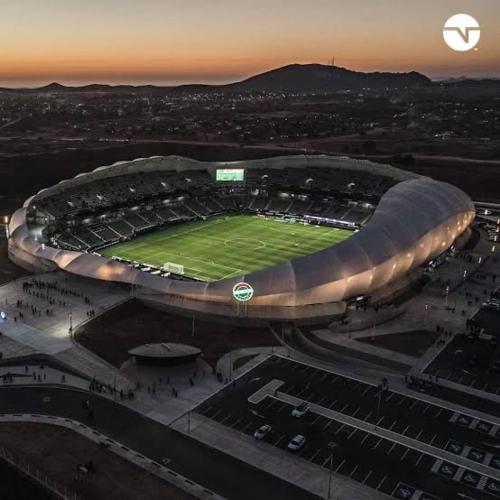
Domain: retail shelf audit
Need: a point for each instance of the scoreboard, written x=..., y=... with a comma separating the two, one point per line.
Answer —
x=230, y=174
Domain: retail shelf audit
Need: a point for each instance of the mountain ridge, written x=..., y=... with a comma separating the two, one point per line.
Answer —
x=298, y=78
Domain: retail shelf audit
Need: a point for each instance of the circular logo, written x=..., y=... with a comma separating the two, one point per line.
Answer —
x=242, y=292
x=461, y=32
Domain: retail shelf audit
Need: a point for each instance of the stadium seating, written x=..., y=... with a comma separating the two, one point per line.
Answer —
x=140, y=202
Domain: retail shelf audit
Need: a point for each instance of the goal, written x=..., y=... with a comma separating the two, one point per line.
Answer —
x=171, y=267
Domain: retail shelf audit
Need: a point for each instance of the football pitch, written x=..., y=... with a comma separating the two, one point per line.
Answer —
x=227, y=246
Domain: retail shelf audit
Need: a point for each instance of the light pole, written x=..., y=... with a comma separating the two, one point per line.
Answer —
x=379, y=402
x=70, y=320
x=330, y=477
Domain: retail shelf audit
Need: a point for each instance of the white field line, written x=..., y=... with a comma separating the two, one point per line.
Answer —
x=206, y=273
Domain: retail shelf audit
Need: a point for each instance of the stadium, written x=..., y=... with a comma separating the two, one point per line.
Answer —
x=287, y=238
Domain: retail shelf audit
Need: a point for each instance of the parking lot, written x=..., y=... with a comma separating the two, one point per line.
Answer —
x=489, y=319
x=469, y=361
x=392, y=467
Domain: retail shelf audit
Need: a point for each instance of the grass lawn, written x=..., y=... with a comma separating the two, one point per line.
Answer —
x=227, y=246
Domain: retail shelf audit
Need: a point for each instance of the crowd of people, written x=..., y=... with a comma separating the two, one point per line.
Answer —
x=52, y=294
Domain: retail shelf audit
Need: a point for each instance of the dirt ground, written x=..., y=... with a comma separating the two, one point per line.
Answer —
x=114, y=333
x=8, y=270
x=57, y=452
x=413, y=343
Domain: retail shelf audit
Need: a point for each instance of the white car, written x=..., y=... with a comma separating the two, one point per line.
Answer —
x=262, y=432
x=296, y=443
x=300, y=411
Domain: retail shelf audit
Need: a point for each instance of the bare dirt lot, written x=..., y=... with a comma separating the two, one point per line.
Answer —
x=57, y=452
x=114, y=333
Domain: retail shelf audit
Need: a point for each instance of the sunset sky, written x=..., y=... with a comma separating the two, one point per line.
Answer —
x=183, y=41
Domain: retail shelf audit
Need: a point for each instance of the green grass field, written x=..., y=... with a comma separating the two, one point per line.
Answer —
x=227, y=246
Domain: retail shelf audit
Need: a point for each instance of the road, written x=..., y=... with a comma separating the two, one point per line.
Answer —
x=216, y=471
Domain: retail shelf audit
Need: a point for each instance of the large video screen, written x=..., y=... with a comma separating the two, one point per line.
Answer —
x=230, y=174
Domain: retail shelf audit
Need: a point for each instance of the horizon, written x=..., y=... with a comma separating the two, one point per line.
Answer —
x=245, y=77
x=183, y=42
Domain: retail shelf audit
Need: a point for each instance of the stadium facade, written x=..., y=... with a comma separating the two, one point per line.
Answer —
x=414, y=219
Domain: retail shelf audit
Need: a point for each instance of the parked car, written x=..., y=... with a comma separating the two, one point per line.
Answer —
x=296, y=442
x=262, y=432
x=300, y=411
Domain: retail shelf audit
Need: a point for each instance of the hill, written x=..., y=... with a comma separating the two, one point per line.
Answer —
x=302, y=78
x=323, y=79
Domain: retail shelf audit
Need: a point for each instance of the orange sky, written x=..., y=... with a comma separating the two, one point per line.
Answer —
x=179, y=41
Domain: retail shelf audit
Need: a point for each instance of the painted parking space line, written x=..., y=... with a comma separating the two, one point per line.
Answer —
x=278, y=441
x=391, y=448
x=340, y=428
x=354, y=470
x=225, y=418
x=302, y=450
x=379, y=485
x=340, y=465
x=367, y=476
x=328, y=424
x=365, y=438
x=246, y=426
x=366, y=390
x=316, y=419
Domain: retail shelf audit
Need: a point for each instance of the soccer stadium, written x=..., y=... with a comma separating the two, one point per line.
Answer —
x=280, y=238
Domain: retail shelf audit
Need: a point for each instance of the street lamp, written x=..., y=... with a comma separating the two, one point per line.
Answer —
x=330, y=477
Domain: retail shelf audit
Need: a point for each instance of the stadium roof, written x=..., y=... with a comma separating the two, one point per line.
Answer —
x=415, y=220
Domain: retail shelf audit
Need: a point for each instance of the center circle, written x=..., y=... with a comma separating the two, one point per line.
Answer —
x=244, y=244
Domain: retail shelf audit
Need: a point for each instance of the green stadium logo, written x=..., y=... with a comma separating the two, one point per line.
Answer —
x=242, y=292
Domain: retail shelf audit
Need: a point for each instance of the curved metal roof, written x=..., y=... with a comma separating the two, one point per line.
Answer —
x=415, y=220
